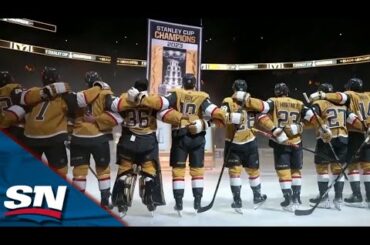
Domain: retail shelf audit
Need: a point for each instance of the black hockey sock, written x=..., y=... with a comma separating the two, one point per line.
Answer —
x=236, y=191
x=338, y=188
x=323, y=186
x=197, y=192
x=296, y=193
x=256, y=190
x=178, y=193
x=367, y=188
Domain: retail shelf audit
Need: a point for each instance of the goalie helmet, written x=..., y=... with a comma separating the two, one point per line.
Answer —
x=354, y=84
x=91, y=77
x=281, y=89
x=189, y=81
x=49, y=75
x=326, y=87
x=240, y=85
x=5, y=78
x=141, y=85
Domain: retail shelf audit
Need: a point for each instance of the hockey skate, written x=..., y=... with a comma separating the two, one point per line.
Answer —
x=197, y=201
x=338, y=203
x=148, y=196
x=325, y=203
x=296, y=200
x=355, y=200
x=287, y=204
x=178, y=206
x=104, y=200
x=237, y=205
x=258, y=198
x=258, y=201
x=122, y=210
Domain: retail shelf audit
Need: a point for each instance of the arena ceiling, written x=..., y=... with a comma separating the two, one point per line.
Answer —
x=226, y=40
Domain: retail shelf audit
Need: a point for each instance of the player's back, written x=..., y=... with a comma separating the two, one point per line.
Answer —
x=287, y=111
x=47, y=119
x=334, y=116
x=138, y=119
x=85, y=129
x=359, y=103
x=189, y=102
x=5, y=95
x=244, y=134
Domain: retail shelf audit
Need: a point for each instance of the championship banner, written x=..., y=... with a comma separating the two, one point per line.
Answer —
x=31, y=194
x=173, y=50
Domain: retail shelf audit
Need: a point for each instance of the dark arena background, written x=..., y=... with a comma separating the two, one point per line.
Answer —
x=117, y=49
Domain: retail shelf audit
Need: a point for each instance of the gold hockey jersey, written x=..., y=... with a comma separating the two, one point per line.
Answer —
x=244, y=133
x=8, y=118
x=357, y=103
x=5, y=95
x=191, y=102
x=140, y=119
x=90, y=101
x=284, y=111
x=47, y=119
x=334, y=116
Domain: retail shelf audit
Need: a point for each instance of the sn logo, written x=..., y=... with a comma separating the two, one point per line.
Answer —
x=27, y=200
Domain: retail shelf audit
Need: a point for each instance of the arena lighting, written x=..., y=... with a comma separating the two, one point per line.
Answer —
x=54, y=52
x=205, y=66
x=32, y=23
x=131, y=62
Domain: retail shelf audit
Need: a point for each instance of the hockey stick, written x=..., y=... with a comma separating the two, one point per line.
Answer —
x=321, y=126
x=300, y=212
x=359, y=115
x=269, y=136
x=210, y=205
x=92, y=171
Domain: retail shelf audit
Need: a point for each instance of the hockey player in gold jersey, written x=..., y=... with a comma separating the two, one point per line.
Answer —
x=186, y=143
x=46, y=120
x=138, y=148
x=88, y=139
x=359, y=103
x=187, y=140
x=285, y=124
x=335, y=118
x=242, y=152
x=188, y=101
x=11, y=112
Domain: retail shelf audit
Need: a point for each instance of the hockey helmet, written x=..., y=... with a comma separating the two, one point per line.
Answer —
x=141, y=85
x=91, y=77
x=5, y=78
x=240, y=85
x=354, y=84
x=281, y=89
x=189, y=81
x=326, y=87
x=49, y=75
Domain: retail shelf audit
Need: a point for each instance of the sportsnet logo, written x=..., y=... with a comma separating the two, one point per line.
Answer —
x=39, y=201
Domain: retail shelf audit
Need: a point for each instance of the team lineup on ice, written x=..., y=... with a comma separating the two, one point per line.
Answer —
x=340, y=120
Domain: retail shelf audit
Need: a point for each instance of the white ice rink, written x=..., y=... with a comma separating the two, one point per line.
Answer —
x=270, y=214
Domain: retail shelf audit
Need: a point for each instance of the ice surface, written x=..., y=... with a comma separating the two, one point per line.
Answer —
x=270, y=214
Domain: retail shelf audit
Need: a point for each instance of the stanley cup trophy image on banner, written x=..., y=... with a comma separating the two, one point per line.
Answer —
x=173, y=51
x=173, y=69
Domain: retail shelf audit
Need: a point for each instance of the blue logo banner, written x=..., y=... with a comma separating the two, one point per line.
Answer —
x=31, y=194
